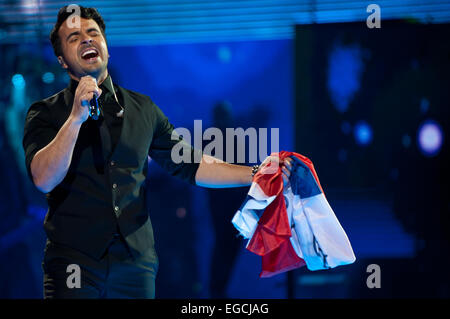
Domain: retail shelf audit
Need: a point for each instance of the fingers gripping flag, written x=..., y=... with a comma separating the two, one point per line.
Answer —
x=292, y=227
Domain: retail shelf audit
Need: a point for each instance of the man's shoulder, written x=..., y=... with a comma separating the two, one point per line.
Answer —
x=137, y=96
x=145, y=104
x=50, y=101
x=52, y=107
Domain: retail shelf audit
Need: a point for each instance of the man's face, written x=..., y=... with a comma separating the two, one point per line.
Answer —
x=84, y=48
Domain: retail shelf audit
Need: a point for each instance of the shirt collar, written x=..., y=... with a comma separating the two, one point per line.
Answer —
x=106, y=85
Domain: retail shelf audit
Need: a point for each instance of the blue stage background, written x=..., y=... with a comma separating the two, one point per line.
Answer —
x=193, y=59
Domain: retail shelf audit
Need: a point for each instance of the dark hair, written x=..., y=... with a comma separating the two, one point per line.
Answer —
x=63, y=14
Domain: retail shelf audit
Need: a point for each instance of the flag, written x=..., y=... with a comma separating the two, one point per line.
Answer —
x=293, y=227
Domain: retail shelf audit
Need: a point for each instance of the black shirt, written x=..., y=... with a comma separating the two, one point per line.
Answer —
x=103, y=192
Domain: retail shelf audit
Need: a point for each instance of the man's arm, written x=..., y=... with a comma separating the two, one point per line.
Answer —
x=214, y=173
x=49, y=165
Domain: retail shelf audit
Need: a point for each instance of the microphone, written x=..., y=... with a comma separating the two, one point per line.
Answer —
x=94, y=110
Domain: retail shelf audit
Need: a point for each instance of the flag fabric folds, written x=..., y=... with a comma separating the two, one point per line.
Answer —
x=292, y=227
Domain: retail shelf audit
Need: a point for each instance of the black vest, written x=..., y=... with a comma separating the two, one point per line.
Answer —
x=103, y=191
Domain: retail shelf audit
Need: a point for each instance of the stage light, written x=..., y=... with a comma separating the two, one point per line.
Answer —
x=18, y=81
x=430, y=138
x=345, y=66
x=363, y=133
x=48, y=77
x=29, y=6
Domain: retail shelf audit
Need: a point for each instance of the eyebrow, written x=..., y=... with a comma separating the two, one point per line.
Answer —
x=73, y=33
x=78, y=32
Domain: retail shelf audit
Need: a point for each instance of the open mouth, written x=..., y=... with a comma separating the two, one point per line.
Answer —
x=89, y=54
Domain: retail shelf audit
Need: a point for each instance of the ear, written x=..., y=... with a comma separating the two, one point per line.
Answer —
x=62, y=62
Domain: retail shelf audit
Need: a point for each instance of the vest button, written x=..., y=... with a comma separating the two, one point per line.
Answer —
x=112, y=163
x=114, y=186
x=116, y=208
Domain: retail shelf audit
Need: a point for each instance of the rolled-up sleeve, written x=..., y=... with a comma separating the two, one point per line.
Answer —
x=38, y=132
x=162, y=145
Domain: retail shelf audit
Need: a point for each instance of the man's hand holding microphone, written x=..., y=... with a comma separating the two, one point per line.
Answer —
x=86, y=91
x=50, y=165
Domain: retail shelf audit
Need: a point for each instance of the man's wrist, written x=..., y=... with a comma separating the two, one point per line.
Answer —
x=255, y=169
x=73, y=122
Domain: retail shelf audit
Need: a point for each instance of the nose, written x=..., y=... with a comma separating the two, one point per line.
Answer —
x=86, y=41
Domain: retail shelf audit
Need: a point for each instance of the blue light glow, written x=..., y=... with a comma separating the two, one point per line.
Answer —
x=36, y=212
x=18, y=81
x=363, y=133
x=48, y=77
x=430, y=138
x=344, y=75
x=224, y=54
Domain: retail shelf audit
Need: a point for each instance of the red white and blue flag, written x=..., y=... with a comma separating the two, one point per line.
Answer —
x=292, y=227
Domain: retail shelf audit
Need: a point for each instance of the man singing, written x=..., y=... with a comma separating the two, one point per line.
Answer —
x=92, y=171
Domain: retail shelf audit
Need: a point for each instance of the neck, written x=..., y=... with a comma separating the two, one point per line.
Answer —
x=100, y=78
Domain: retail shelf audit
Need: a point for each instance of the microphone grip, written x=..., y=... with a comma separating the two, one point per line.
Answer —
x=94, y=110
